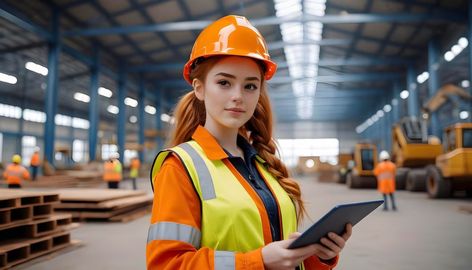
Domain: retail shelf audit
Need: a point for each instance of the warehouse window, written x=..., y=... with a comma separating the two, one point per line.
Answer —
x=107, y=149
x=10, y=111
x=80, y=123
x=292, y=149
x=129, y=154
x=63, y=120
x=28, y=143
x=79, y=151
x=34, y=116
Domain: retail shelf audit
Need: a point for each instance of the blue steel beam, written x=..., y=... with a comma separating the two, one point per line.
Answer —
x=52, y=89
x=141, y=118
x=413, y=101
x=9, y=14
x=327, y=19
x=93, y=105
x=121, y=126
x=433, y=82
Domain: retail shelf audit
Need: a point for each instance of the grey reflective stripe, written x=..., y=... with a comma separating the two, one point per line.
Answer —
x=16, y=173
x=225, y=260
x=204, y=176
x=175, y=231
x=385, y=175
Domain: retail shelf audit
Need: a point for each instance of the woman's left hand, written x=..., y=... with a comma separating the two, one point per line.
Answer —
x=333, y=244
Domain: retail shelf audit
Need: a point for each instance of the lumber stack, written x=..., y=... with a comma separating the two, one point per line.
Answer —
x=29, y=228
x=103, y=204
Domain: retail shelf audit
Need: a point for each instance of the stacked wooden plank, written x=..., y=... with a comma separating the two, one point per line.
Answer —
x=28, y=226
x=104, y=204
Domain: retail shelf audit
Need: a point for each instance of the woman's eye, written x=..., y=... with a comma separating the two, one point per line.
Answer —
x=251, y=86
x=223, y=83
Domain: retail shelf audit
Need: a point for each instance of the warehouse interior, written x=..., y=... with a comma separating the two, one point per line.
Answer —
x=85, y=81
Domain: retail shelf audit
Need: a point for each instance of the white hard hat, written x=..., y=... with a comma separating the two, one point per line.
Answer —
x=115, y=155
x=36, y=148
x=384, y=155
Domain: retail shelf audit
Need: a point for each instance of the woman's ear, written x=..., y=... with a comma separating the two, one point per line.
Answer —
x=198, y=89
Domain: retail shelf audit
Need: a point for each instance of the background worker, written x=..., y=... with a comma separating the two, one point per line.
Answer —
x=113, y=171
x=134, y=171
x=385, y=172
x=15, y=173
x=222, y=197
x=35, y=162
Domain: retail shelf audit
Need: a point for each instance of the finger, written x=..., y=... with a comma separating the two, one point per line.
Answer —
x=331, y=245
x=325, y=251
x=294, y=235
x=337, y=239
x=347, y=234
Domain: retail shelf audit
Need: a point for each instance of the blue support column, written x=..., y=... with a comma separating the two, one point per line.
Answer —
x=433, y=83
x=469, y=37
x=121, y=127
x=141, y=117
x=413, y=102
x=397, y=88
x=93, y=105
x=52, y=89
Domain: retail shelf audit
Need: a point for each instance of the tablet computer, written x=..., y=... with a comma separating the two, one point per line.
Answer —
x=335, y=221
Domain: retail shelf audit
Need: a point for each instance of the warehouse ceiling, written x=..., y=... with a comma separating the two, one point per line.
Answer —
x=338, y=60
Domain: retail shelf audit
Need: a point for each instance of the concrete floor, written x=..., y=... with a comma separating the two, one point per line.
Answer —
x=423, y=234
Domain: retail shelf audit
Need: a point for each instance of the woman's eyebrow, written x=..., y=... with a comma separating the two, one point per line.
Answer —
x=234, y=77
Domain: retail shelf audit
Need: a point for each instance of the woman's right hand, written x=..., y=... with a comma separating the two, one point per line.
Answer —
x=277, y=256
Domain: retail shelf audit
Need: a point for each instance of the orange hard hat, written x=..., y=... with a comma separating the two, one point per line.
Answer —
x=231, y=35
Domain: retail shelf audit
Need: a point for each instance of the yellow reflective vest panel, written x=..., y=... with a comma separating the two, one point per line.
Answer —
x=232, y=219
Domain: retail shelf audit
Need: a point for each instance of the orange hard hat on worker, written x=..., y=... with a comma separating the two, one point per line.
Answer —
x=232, y=36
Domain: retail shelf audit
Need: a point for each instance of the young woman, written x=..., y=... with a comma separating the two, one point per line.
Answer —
x=222, y=198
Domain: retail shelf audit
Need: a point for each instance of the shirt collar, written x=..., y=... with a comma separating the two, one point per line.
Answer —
x=213, y=149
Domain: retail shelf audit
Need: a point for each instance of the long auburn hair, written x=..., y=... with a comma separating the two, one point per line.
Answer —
x=190, y=112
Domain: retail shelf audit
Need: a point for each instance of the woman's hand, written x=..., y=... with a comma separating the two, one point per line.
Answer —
x=277, y=256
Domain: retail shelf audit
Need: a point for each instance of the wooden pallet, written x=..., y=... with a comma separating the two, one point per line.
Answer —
x=10, y=198
x=22, y=250
x=95, y=195
x=466, y=209
x=103, y=204
x=37, y=228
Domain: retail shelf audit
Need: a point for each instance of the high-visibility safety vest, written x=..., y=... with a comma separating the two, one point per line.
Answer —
x=134, y=168
x=385, y=172
x=35, y=159
x=231, y=219
x=14, y=173
x=112, y=172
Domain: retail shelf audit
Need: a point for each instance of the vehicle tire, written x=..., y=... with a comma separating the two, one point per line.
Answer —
x=416, y=180
x=400, y=178
x=436, y=185
x=368, y=182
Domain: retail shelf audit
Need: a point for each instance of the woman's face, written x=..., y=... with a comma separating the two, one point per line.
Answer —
x=230, y=92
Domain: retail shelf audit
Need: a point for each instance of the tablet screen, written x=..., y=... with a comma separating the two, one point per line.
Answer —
x=335, y=221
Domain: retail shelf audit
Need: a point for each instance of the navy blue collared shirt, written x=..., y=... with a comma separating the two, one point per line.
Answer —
x=247, y=168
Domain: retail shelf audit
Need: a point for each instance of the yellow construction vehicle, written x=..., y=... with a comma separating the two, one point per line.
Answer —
x=453, y=169
x=412, y=150
x=362, y=175
x=345, y=166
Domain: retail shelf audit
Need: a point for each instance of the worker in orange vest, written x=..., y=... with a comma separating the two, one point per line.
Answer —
x=34, y=163
x=14, y=173
x=112, y=171
x=134, y=170
x=385, y=172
